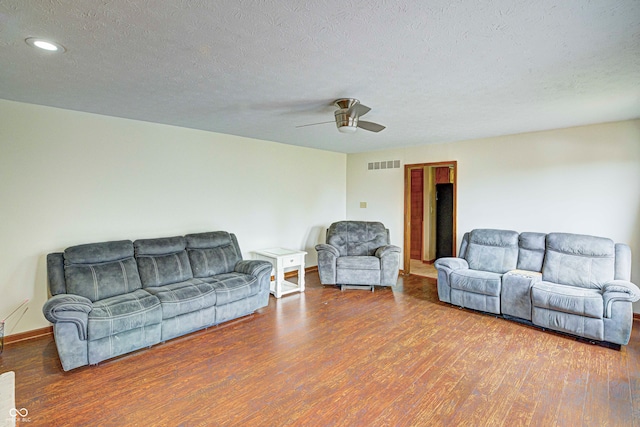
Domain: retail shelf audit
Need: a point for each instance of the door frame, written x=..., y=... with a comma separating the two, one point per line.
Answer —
x=407, y=207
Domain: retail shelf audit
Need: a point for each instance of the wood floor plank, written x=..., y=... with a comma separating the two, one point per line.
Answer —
x=394, y=357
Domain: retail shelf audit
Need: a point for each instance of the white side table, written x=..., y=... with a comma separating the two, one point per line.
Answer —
x=282, y=259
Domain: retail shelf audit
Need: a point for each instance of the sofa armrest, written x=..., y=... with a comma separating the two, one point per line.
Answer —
x=253, y=267
x=69, y=308
x=622, y=287
x=386, y=250
x=328, y=248
x=327, y=258
x=451, y=263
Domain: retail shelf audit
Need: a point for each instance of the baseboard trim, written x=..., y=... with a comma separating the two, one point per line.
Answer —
x=28, y=335
x=636, y=316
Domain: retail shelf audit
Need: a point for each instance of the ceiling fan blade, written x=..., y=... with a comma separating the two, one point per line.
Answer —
x=360, y=109
x=373, y=127
x=313, y=124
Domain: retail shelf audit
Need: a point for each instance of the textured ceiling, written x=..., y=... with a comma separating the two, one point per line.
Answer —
x=432, y=71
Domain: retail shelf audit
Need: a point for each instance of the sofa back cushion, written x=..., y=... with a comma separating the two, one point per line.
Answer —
x=357, y=238
x=162, y=261
x=101, y=270
x=531, y=251
x=579, y=260
x=212, y=253
x=492, y=250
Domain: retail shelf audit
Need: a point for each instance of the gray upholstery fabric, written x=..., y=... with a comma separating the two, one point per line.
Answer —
x=159, y=246
x=571, y=283
x=72, y=350
x=531, y=251
x=582, y=326
x=55, y=273
x=184, y=297
x=568, y=299
x=189, y=322
x=623, y=262
x=102, y=280
x=476, y=281
x=94, y=253
x=357, y=238
x=164, y=269
x=446, y=266
x=515, y=297
x=481, y=302
x=492, y=250
x=618, y=324
x=579, y=260
x=73, y=309
x=236, y=309
x=479, y=290
x=120, y=313
x=462, y=253
x=100, y=310
x=212, y=253
x=327, y=258
x=123, y=342
x=231, y=287
x=162, y=261
x=358, y=253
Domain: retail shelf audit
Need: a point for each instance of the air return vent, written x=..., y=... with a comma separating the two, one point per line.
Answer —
x=385, y=164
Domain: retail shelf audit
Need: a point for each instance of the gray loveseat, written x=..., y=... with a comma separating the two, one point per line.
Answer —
x=576, y=284
x=358, y=253
x=112, y=298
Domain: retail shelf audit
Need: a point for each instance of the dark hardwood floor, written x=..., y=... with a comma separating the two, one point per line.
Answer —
x=330, y=358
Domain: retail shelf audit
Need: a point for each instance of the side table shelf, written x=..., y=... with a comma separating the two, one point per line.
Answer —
x=283, y=259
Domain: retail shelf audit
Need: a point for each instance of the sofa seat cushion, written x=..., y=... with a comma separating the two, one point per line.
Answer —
x=479, y=282
x=120, y=313
x=567, y=299
x=231, y=287
x=184, y=297
x=358, y=262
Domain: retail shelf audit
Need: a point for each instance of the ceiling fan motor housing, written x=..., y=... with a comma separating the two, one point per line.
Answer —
x=345, y=122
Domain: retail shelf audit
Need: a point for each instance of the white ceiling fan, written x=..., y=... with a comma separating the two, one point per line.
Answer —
x=347, y=117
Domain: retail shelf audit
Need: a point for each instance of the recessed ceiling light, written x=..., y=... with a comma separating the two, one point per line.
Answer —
x=45, y=44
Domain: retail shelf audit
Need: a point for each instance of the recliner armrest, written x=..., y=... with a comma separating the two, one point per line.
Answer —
x=69, y=308
x=253, y=267
x=386, y=250
x=328, y=248
x=451, y=263
x=624, y=288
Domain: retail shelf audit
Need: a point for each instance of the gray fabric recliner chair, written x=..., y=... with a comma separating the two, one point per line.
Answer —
x=358, y=254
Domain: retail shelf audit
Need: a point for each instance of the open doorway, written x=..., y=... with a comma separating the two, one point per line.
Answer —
x=430, y=214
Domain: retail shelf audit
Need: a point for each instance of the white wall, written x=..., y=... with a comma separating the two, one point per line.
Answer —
x=68, y=178
x=580, y=180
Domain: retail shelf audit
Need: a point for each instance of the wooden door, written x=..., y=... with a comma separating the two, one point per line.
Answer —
x=417, y=212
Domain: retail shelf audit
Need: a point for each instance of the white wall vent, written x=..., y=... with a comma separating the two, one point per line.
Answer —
x=385, y=164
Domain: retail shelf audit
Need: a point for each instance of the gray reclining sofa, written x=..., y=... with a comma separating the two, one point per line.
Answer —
x=571, y=283
x=113, y=298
